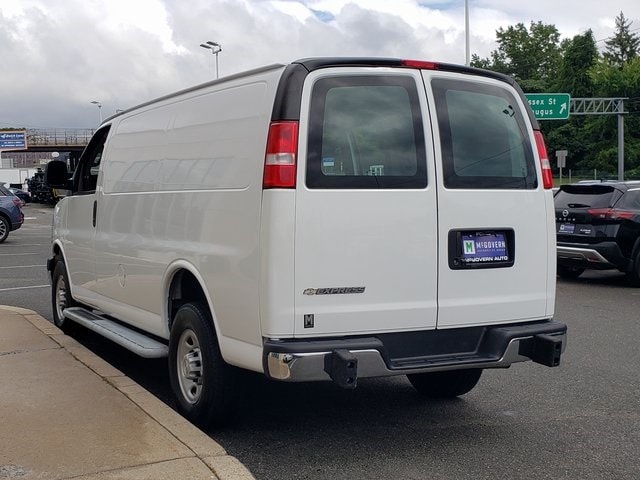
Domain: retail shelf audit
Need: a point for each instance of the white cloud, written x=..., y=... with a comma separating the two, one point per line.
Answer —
x=58, y=55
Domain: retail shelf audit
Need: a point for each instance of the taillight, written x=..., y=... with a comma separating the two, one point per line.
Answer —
x=420, y=64
x=17, y=202
x=280, y=158
x=610, y=214
x=547, y=176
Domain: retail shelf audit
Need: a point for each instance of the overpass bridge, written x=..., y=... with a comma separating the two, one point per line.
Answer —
x=55, y=139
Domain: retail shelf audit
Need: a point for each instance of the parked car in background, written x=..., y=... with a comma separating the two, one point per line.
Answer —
x=598, y=227
x=21, y=194
x=11, y=216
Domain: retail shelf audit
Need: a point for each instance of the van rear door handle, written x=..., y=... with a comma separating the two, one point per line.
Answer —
x=95, y=208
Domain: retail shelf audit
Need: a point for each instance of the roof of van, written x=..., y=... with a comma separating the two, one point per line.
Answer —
x=290, y=88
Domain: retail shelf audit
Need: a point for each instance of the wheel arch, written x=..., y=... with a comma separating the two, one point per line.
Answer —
x=635, y=252
x=183, y=283
x=57, y=253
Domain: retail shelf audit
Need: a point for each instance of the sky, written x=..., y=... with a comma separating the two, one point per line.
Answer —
x=57, y=56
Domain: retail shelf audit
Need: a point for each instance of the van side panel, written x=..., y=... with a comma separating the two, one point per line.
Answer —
x=183, y=181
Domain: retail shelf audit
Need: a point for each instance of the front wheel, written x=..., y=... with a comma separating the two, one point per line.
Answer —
x=448, y=384
x=61, y=297
x=203, y=383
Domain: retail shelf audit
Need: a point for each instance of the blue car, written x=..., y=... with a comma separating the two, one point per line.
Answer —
x=11, y=216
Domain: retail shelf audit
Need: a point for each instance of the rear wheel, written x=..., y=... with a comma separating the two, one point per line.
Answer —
x=633, y=277
x=449, y=384
x=4, y=228
x=61, y=297
x=204, y=384
x=565, y=271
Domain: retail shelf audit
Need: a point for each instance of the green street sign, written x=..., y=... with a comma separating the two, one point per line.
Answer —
x=549, y=106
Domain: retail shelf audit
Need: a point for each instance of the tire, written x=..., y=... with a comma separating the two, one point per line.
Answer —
x=61, y=297
x=565, y=271
x=449, y=384
x=205, y=386
x=633, y=277
x=5, y=228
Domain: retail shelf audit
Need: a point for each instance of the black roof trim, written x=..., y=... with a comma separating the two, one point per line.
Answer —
x=289, y=93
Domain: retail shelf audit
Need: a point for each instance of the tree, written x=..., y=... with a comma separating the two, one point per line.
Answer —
x=532, y=56
x=623, y=46
x=580, y=55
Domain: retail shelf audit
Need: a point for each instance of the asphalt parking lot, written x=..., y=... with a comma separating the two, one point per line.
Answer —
x=578, y=421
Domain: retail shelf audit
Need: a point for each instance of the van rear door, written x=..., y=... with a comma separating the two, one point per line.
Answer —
x=495, y=222
x=366, y=219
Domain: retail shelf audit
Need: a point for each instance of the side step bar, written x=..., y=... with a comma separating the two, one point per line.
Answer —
x=132, y=340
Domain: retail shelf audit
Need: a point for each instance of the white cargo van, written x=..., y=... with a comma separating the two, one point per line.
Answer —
x=330, y=219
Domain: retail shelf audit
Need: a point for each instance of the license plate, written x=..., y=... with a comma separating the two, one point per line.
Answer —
x=566, y=228
x=484, y=248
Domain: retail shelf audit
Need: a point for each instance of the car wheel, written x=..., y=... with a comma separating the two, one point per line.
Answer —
x=204, y=384
x=61, y=297
x=633, y=277
x=449, y=384
x=565, y=271
x=4, y=228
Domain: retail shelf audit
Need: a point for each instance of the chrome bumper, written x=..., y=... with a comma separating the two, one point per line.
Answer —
x=582, y=254
x=294, y=366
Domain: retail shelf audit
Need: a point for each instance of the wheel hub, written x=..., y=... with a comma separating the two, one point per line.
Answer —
x=189, y=366
x=192, y=366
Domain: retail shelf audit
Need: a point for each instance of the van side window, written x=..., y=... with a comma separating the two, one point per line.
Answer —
x=366, y=132
x=85, y=178
x=483, y=137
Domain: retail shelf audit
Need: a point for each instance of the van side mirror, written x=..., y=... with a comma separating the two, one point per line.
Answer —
x=56, y=174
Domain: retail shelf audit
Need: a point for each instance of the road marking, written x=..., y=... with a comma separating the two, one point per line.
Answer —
x=17, y=254
x=30, y=218
x=26, y=266
x=23, y=288
x=26, y=245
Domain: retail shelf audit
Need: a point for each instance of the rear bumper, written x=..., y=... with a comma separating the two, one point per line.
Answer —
x=17, y=223
x=346, y=359
x=605, y=255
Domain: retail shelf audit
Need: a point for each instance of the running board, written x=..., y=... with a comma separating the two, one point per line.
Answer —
x=132, y=340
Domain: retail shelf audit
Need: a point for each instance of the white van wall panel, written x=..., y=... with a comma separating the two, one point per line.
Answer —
x=207, y=151
x=203, y=208
x=146, y=232
x=135, y=152
x=277, y=267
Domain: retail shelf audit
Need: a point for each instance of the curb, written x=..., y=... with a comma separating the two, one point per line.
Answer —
x=211, y=453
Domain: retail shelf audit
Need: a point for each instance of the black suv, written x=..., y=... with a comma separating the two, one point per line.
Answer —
x=598, y=227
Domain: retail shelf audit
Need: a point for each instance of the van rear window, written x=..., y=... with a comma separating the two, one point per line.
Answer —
x=483, y=135
x=365, y=132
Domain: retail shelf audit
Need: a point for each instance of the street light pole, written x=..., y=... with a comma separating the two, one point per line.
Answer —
x=215, y=48
x=466, y=32
x=95, y=102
